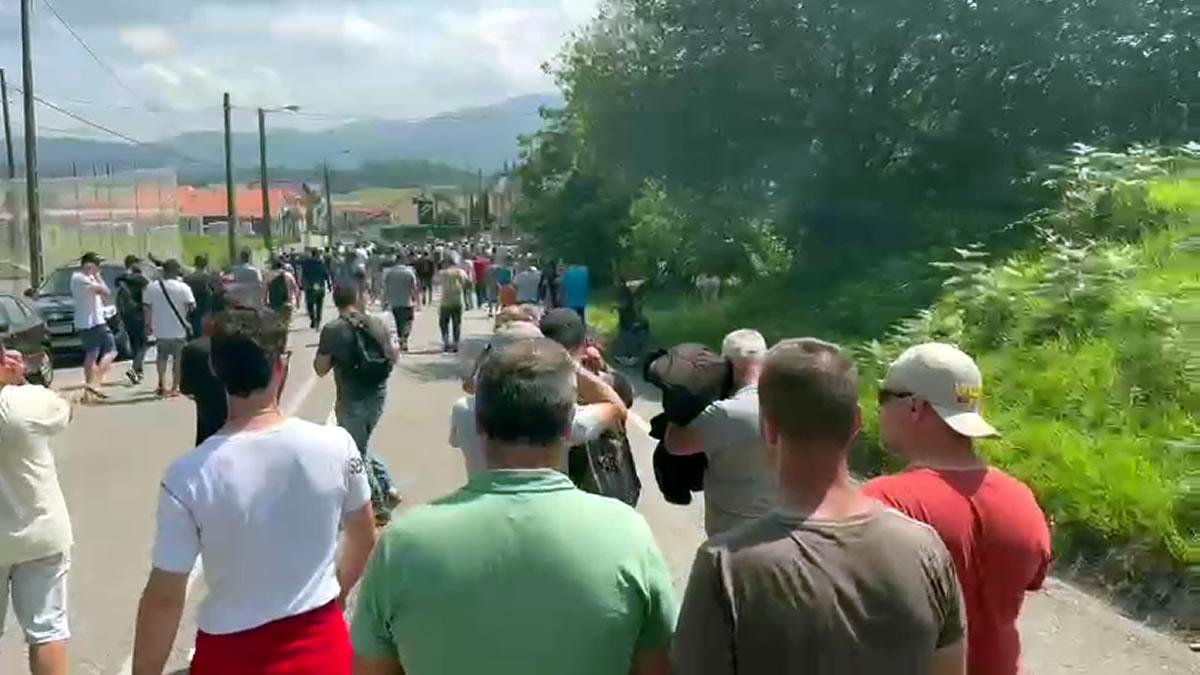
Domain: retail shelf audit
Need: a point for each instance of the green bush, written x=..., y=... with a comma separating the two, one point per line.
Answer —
x=1090, y=348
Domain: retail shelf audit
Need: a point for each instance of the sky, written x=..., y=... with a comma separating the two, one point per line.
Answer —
x=164, y=64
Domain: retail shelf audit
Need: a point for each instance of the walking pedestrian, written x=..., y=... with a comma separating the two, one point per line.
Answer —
x=830, y=583
x=425, y=270
x=315, y=279
x=199, y=383
x=739, y=485
x=89, y=294
x=247, y=285
x=35, y=527
x=263, y=502
x=483, y=272
x=359, y=351
x=130, y=307
x=282, y=292
x=402, y=293
x=208, y=291
x=575, y=289
x=455, y=286
x=527, y=284
x=169, y=300
x=990, y=521
x=541, y=576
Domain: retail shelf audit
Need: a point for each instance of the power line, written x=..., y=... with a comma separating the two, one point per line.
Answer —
x=95, y=57
x=125, y=137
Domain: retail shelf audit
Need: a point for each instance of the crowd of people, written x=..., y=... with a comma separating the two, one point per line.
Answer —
x=540, y=562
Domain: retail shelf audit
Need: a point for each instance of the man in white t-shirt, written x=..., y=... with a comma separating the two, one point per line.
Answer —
x=170, y=301
x=91, y=297
x=604, y=410
x=263, y=502
x=35, y=529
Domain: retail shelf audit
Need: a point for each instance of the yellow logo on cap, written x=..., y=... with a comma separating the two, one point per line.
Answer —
x=967, y=394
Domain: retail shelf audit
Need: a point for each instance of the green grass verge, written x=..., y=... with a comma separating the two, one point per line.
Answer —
x=217, y=249
x=1091, y=356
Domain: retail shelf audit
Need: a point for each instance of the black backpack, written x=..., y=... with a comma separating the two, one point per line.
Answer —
x=277, y=292
x=370, y=364
x=606, y=467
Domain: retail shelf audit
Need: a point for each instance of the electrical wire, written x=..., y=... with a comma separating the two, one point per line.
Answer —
x=116, y=134
x=95, y=57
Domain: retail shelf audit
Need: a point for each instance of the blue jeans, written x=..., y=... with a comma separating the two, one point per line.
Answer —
x=359, y=417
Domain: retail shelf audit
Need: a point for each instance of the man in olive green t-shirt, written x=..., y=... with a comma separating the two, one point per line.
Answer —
x=518, y=572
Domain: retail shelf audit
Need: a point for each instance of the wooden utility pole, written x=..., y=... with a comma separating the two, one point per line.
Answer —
x=8, y=149
x=328, y=208
x=266, y=192
x=230, y=199
x=11, y=196
x=31, y=174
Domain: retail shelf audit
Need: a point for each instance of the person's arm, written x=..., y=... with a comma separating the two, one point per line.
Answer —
x=176, y=547
x=651, y=654
x=704, y=637
x=950, y=660
x=159, y=612
x=683, y=440
x=358, y=538
x=950, y=654
x=323, y=362
x=97, y=284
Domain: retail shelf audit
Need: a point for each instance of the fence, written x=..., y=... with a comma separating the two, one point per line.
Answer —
x=114, y=215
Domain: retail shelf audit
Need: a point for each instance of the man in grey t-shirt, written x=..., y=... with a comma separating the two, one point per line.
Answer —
x=400, y=292
x=739, y=485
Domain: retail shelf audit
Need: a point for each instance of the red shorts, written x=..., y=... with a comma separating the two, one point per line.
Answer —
x=313, y=643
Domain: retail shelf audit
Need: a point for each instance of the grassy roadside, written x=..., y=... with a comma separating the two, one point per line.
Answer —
x=1091, y=353
x=217, y=249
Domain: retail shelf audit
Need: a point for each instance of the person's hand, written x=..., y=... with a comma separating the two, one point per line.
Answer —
x=592, y=359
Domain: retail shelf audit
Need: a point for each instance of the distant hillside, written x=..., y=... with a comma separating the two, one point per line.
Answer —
x=470, y=138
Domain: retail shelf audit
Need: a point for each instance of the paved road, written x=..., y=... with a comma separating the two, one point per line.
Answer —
x=111, y=459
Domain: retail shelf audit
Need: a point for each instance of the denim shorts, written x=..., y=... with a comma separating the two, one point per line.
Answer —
x=39, y=597
x=98, y=339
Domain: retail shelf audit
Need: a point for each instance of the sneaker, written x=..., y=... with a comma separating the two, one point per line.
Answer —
x=132, y=377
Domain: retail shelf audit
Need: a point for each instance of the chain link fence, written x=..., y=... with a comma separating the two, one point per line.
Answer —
x=113, y=214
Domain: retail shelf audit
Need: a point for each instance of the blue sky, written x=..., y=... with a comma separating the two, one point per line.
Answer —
x=336, y=59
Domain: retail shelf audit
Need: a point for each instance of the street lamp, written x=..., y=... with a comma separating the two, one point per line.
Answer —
x=262, y=158
x=329, y=204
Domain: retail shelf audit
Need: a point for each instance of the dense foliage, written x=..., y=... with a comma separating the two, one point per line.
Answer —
x=851, y=128
x=1090, y=347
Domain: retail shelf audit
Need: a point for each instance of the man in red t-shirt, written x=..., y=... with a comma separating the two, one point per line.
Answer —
x=990, y=521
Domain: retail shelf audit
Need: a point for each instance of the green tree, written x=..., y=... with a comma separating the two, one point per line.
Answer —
x=858, y=124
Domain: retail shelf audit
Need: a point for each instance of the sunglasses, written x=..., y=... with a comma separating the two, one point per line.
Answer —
x=886, y=395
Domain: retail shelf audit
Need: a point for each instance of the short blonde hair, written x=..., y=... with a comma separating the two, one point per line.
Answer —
x=743, y=345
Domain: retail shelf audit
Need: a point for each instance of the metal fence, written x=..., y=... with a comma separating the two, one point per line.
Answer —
x=114, y=215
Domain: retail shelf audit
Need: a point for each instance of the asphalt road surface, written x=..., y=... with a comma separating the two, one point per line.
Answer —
x=112, y=457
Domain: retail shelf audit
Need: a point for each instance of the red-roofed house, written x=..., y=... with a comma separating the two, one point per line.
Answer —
x=204, y=206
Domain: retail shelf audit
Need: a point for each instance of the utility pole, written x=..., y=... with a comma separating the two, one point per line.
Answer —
x=266, y=192
x=31, y=174
x=230, y=200
x=11, y=190
x=8, y=149
x=328, y=208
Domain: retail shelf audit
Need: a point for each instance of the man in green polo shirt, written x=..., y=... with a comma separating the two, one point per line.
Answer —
x=518, y=572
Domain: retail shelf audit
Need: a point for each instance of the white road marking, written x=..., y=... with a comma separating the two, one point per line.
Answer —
x=639, y=422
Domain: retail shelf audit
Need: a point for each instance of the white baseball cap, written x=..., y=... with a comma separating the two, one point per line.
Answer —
x=948, y=380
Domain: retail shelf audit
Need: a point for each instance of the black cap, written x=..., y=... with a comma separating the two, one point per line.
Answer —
x=565, y=327
x=131, y=260
x=90, y=258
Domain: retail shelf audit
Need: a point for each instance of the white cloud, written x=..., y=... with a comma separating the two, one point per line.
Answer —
x=323, y=27
x=148, y=41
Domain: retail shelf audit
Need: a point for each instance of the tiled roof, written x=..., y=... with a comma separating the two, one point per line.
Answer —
x=199, y=202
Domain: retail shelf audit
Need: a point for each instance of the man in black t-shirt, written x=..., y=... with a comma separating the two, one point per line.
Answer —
x=425, y=269
x=207, y=289
x=314, y=279
x=130, y=286
x=199, y=383
x=359, y=403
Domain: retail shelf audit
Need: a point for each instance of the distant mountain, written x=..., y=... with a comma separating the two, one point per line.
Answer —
x=471, y=138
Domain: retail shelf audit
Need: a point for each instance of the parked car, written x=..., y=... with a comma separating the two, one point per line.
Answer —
x=22, y=328
x=53, y=301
